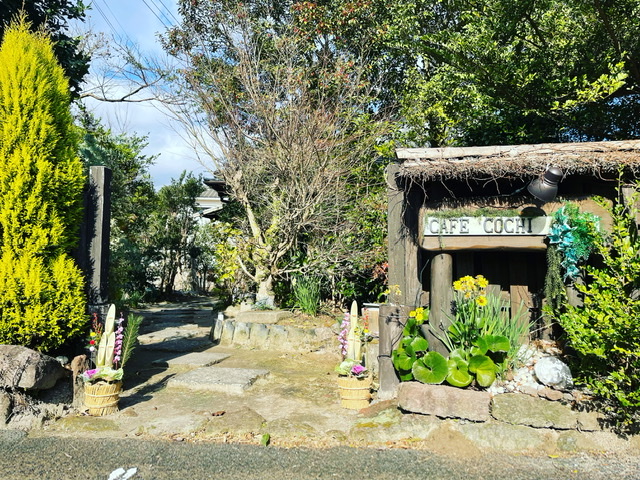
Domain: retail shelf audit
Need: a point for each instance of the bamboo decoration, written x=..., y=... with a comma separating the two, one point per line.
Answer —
x=108, y=340
x=354, y=345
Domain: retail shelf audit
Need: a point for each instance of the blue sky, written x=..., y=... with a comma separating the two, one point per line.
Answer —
x=139, y=22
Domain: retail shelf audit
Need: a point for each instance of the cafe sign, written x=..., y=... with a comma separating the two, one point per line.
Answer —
x=437, y=226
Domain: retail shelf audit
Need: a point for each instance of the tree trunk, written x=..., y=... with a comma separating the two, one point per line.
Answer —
x=265, y=296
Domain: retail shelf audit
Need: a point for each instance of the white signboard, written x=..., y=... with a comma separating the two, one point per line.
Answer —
x=436, y=226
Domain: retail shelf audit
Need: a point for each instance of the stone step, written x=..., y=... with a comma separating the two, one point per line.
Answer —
x=172, y=332
x=193, y=344
x=194, y=359
x=217, y=379
x=185, y=338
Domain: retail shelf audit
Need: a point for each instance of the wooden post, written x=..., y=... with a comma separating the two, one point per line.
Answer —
x=392, y=320
x=403, y=235
x=396, y=236
x=441, y=298
x=93, y=249
x=519, y=290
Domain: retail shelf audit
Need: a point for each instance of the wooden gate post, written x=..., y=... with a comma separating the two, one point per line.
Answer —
x=93, y=248
x=441, y=297
x=392, y=319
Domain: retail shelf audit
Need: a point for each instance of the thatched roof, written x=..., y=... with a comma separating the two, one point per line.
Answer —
x=598, y=159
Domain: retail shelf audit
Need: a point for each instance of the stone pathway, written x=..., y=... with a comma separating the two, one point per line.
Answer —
x=188, y=330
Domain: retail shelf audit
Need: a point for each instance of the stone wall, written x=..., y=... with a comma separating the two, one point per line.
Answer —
x=253, y=332
x=506, y=422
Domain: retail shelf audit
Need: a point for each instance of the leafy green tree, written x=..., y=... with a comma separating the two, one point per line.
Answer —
x=173, y=225
x=42, y=302
x=495, y=71
x=294, y=129
x=132, y=201
x=54, y=17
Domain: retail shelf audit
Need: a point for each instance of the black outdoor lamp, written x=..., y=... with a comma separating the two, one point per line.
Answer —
x=545, y=187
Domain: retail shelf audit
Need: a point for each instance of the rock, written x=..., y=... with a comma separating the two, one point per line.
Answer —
x=5, y=406
x=242, y=421
x=21, y=367
x=63, y=360
x=444, y=401
x=553, y=372
x=551, y=394
x=529, y=390
x=60, y=393
x=505, y=437
x=392, y=425
x=263, y=316
x=518, y=409
x=241, y=333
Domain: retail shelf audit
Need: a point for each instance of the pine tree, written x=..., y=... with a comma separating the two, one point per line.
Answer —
x=42, y=301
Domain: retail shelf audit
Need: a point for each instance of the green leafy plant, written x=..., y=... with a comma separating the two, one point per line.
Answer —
x=573, y=234
x=412, y=346
x=481, y=322
x=430, y=368
x=604, y=332
x=130, y=337
x=351, y=368
x=42, y=297
x=481, y=359
x=306, y=291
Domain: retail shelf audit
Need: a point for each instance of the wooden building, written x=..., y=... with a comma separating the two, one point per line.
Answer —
x=431, y=192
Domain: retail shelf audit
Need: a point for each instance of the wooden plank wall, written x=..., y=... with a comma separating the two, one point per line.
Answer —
x=517, y=276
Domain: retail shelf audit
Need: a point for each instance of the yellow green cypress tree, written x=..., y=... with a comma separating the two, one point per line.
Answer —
x=42, y=302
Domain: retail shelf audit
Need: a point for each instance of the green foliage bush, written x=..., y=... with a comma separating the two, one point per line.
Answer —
x=42, y=301
x=604, y=333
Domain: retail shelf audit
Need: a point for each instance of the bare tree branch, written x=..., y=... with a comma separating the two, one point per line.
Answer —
x=287, y=137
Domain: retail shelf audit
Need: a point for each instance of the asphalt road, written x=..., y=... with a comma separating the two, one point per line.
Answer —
x=58, y=458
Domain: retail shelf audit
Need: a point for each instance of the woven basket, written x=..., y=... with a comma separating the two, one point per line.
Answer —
x=102, y=398
x=355, y=393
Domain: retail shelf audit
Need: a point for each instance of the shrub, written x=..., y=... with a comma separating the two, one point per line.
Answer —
x=605, y=331
x=41, y=182
x=306, y=290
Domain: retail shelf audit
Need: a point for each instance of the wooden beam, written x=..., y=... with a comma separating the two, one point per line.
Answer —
x=515, y=150
x=484, y=242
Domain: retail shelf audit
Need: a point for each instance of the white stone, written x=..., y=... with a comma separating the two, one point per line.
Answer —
x=553, y=372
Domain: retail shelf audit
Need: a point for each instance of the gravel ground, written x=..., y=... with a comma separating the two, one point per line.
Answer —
x=69, y=459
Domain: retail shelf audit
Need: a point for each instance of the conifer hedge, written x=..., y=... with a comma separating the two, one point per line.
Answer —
x=42, y=303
